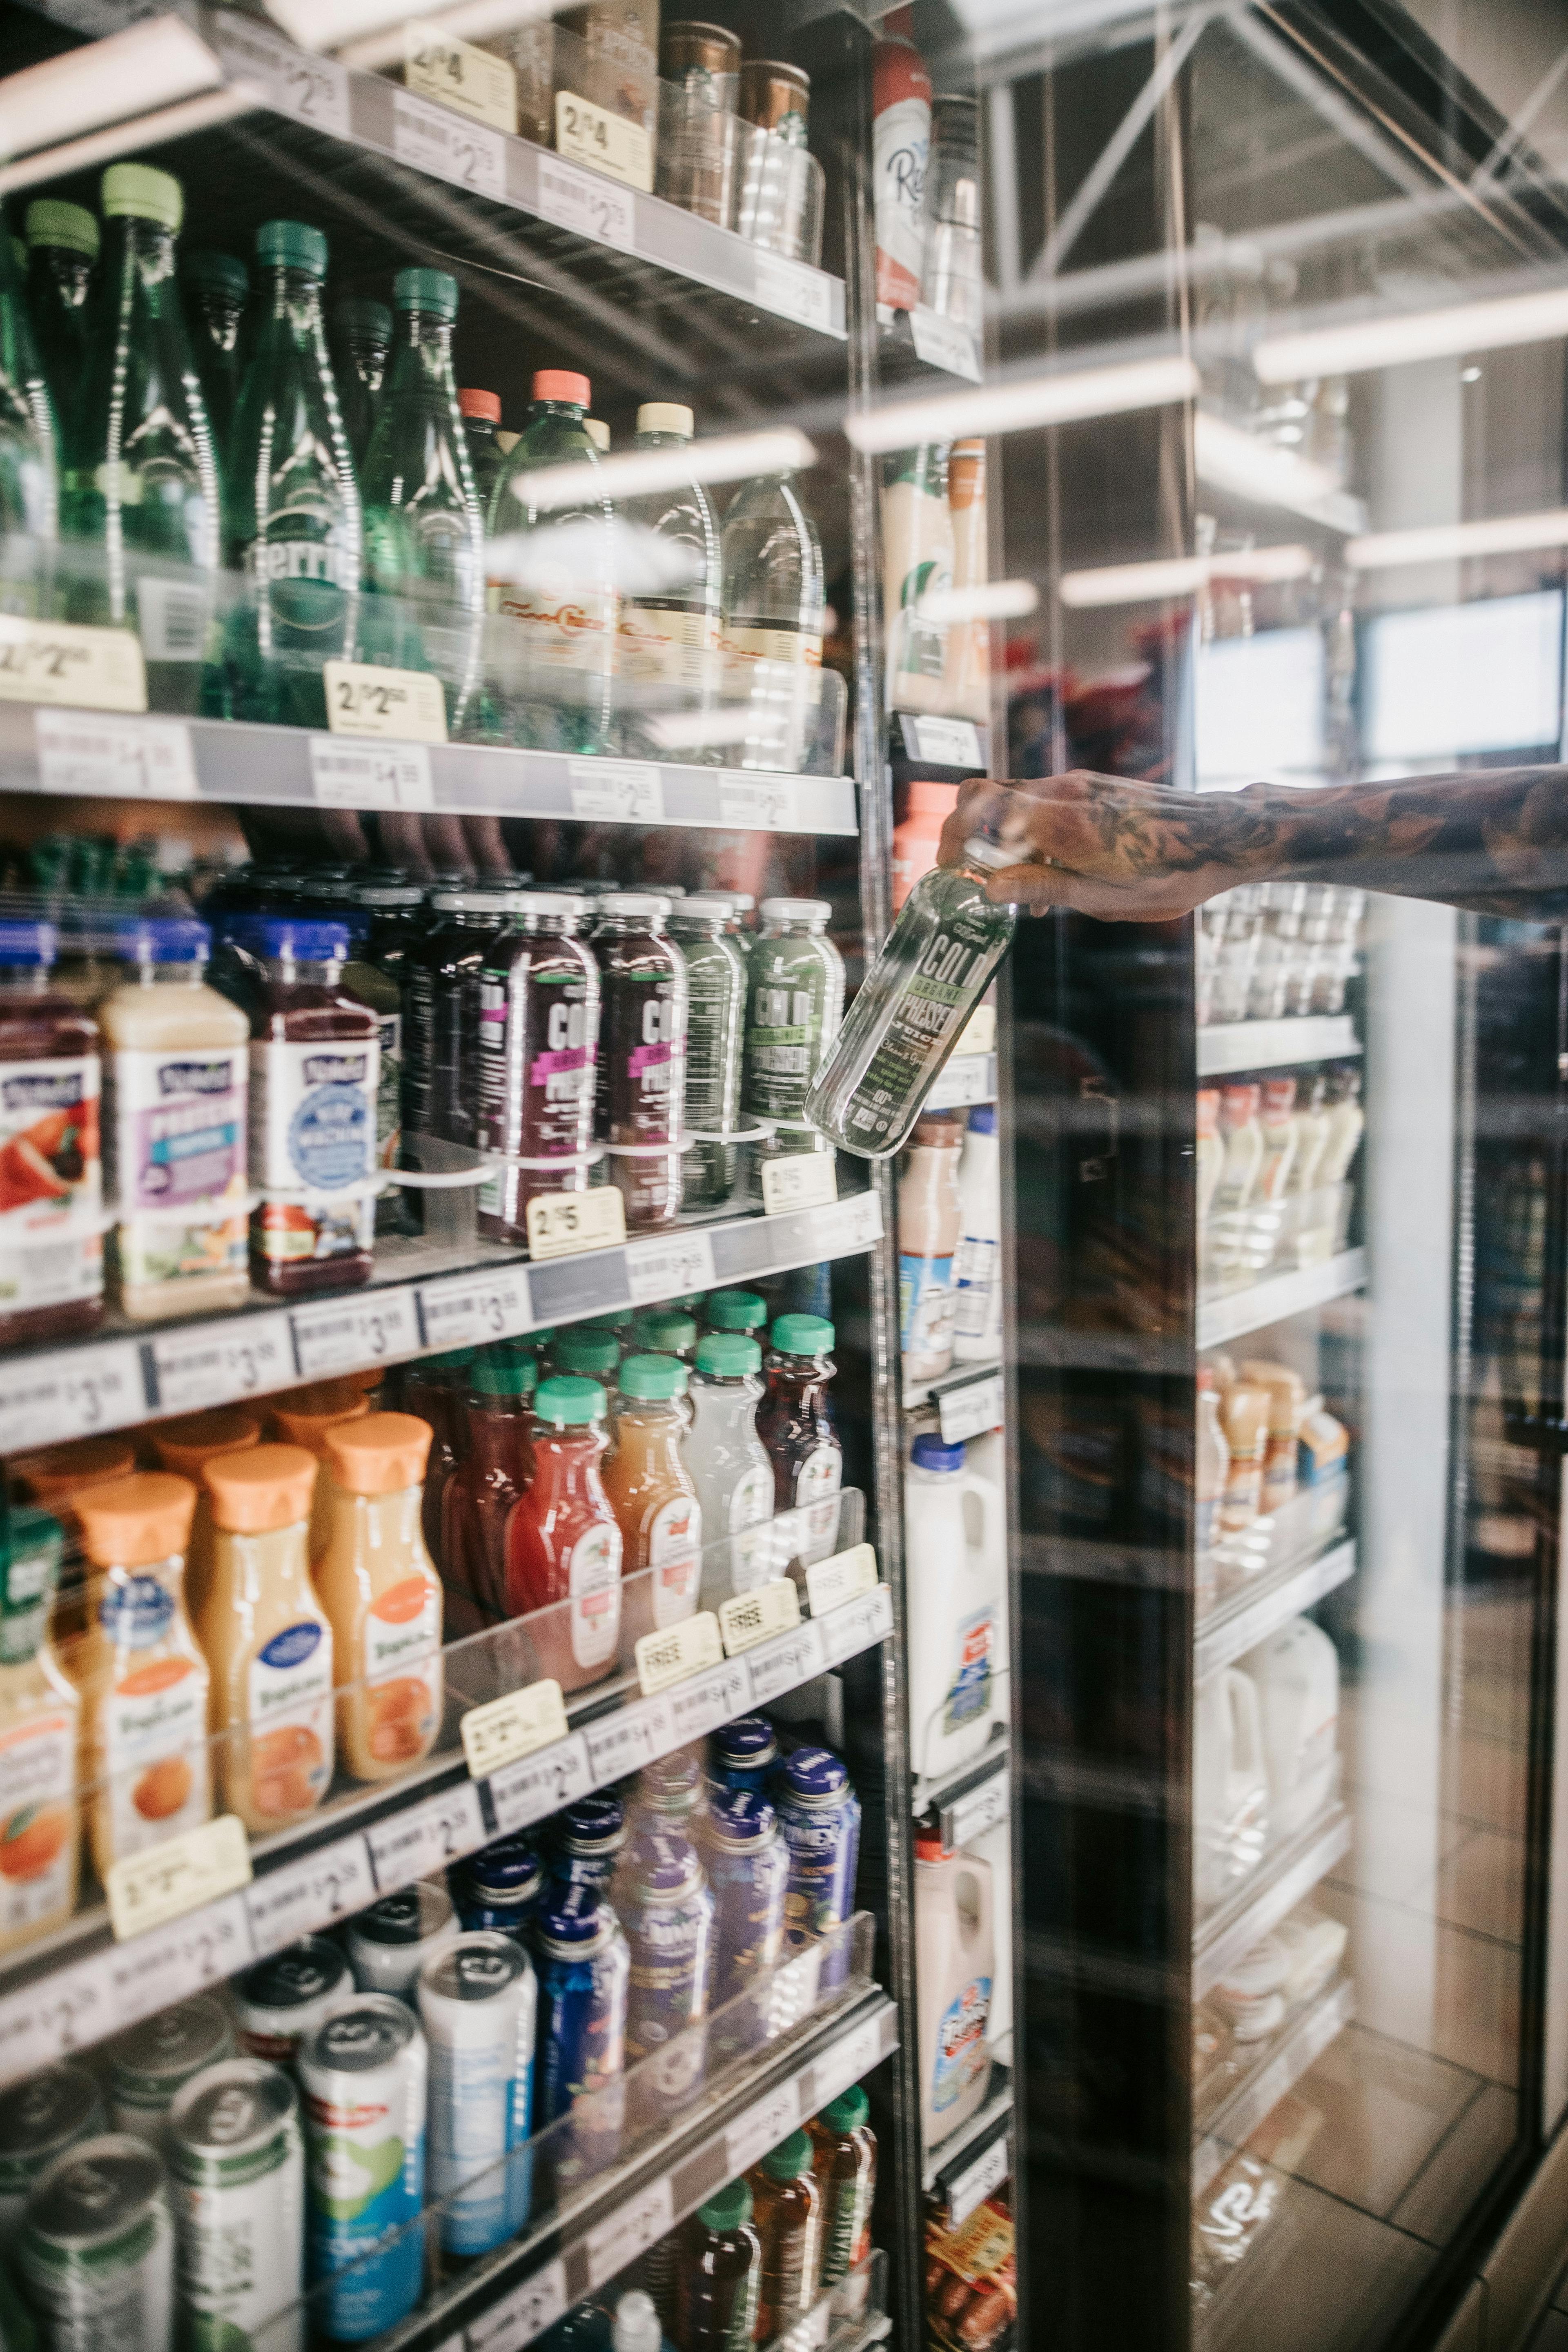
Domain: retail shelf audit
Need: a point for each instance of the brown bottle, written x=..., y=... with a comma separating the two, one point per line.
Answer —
x=641, y=1072
x=845, y=2162
x=789, y=2208
x=719, y=2274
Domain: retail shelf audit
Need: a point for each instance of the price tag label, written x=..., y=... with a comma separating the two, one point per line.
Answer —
x=677, y=1653
x=125, y=758
x=587, y=133
x=616, y=791
x=699, y=1707
x=857, y=1224
x=587, y=203
x=787, y=1661
x=847, y=1631
x=638, y=2224
x=524, y=2313
x=968, y=1078
x=625, y=1742
x=69, y=2009
x=51, y=661
x=758, y=804
x=856, y=2055
x=977, y=1811
x=945, y=743
x=205, y=1366
x=403, y=706
x=974, y=2183
x=472, y=1309
x=434, y=140
x=795, y=291
x=830, y=1582
x=375, y=776
x=751, y=2137
x=944, y=343
x=146, y=1890
x=73, y=1394
x=306, y=1895
x=173, y=1962
x=965, y=1411
x=512, y=1725
x=454, y=73
x=669, y=1269
x=748, y=1618
x=560, y=1224
x=521, y=1794
x=346, y=1335
x=313, y=90
x=979, y=1032
x=801, y=1180
x=411, y=1845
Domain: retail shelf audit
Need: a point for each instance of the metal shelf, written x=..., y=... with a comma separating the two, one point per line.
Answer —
x=1275, y=1887
x=1278, y=1297
x=1275, y=1044
x=1277, y=2068
x=1252, y=1614
x=420, y=1300
x=956, y=2166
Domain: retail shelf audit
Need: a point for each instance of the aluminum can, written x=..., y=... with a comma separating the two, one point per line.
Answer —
x=588, y=1840
x=389, y=1943
x=748, y=1867
x=97, y=2253
x=583, y=1965
x=362, y=2073
x=278, y=2002
x=478, y=2004
x=39, y=2119
x=155, y=2059
x=236, y=2179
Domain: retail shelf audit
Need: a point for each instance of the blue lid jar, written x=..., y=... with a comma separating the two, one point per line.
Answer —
x=663, y=1863
x=748, y=1744
x=814, y=1776
x=28, y=945
x=299, y=941
x=574, y=1925
x=740, y=1819
x=932, y=1452
x=162, y=938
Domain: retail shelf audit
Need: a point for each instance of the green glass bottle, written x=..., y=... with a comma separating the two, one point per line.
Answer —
x=140, y=488
x=216, y=287
x=360, y=337
x=62, y=249
x=424, y=533
x=293, y=514
x=29, y=461
x=553, y=572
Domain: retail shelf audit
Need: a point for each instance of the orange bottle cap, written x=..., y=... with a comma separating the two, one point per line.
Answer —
x=931, y=799
x=136, y=1522
x=185, y=1444
x=309, y=1413
x=266, y=1488
x=54, y=1471
x=381, y=1454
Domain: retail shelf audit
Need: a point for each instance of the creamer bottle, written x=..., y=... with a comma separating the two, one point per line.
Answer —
x=186, y=1446
x=1245, y=1416
x=143, y=1680
x=382, y=1595
x=40, y=1728
x=267, y=1639
x=562, y=1540
x=728, y=1464
x=303, y=1417
x=653, y=1497
x=930, y=1218
x=1242, y=1138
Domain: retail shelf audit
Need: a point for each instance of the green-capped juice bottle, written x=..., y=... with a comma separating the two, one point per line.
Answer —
x=794, y=1006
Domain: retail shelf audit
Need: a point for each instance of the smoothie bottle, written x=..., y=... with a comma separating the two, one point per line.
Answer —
x=562, y=1540
x=793, y=1007
x=715, y=1023
x=653, y=1497
x=315, y=1058
x=492, y=1471
x=51, y=1236
x=186, y=1447
x=382, y=1595
x=730, y=1466
x=930, y=1213
x=795, y=1423
x=538, y=1031
x=641, y=1081
x=267, y=1639
x=143, y=1679
x=303, y=1417
x=40, y=1731
x=175, y=1080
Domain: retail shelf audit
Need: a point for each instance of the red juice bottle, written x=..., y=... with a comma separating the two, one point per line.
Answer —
x=641, y=1075
x=315, y=1069
x=51, y=1192
x=537, y=1035
x=794, y=1422
x=492, y=1471
x=562, y=1542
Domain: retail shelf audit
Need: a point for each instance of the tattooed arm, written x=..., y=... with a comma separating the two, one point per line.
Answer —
x=1494, y=841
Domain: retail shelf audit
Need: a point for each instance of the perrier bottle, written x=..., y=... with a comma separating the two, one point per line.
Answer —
x=29, y=479
x=294, y=528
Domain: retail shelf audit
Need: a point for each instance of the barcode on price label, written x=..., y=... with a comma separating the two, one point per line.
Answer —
x=640, y=2221
x=312, y=88
x=975, y=2182
x=977, y=1811
x=623, y=1743
x=68, y=2009
x=700, y=1706
x=847, y=1631
x=590, y=206
x=371, y=775
x=795, y=291
x=616, y=791
x=434, y=139
x=152, y=1970
x=327, y=1885
x=413, y=1844
x=750, y=2138
x=200, y=1368
x=800, y=1179
x=761, y=804
x=529, y=1791
x=125, y=758
x=781, y=1665
x=341, y=1336
x=748, y=1618
x=668, y=1269
x=678, y=1651
x=74, y=1394
x=471, y=1309
x=524, y=2313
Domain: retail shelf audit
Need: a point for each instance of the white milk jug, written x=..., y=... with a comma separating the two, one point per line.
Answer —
x=1230, y=1786
x=1296, y=1674
x=956, y=1549
x=954, y=1970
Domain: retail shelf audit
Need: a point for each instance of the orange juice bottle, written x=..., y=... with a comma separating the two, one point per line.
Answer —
x=382, y=1595
x=267, y=1638
x=186, y=1446
x=303, y=1418
x=654, y=1496
x=143, y=1679
x=40, y=1731
x=53, y=1476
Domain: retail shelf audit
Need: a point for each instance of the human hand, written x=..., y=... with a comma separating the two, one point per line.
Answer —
x=1124, y=852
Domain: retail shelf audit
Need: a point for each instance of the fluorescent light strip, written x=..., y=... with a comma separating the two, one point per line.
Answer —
x=1447, y=543
x=1061, y=397
x=996, y=600
x=1229, y=460
x=146, y=131
x=1180, y=576
x=149, y=65
x=634, y=473
x=1385, y=341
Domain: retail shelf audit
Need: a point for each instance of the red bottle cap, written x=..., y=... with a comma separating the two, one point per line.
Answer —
x=480, y=404
x=559, y=383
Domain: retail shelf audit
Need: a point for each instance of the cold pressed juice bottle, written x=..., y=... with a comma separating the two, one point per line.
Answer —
x=40, y=1731
x=719, y=2279
x=492, y=1471
x=795, y=1423
x=315, y=1059
x=728, y=1464
x=563, y=1541
x=792, y=1011
x=432, y=1389
x=441, y=1011
x=380, y=1589
x=653, y=1496
x=303, y=1417
x=538, y=1036
x=716, y=1016
x=51, y=1186
x=641, y=1071
x=186, y=1447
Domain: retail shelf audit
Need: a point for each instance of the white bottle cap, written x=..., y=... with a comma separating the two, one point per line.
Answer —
x=796, y=910
x=635, y=2327
x=599, y=433
x=666, y=416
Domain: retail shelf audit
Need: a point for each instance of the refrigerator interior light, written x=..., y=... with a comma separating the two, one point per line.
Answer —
x=634, y=473
x=1060, y=396
x=1358, y=344
x=1180, y=576
x=1445, y=542
x=124, y=75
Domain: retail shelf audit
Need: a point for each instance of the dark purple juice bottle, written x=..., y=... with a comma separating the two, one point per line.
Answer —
x=538, y=1035
x=641, y=1083
x=441, y=1013
x=315, y=1060
x=794, y=1422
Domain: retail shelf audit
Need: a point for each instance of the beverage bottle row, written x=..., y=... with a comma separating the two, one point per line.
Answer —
x=925, y=179
x=409, y=2059
x=938, y=650
x=1273, y=950
x=1274, y=1161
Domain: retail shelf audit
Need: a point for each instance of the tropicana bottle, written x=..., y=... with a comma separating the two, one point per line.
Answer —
x=186, y=1447
x=380, y=1589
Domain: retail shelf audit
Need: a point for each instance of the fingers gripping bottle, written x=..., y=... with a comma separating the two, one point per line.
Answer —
x=562, y=1543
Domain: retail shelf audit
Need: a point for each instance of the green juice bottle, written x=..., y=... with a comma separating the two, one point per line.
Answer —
x=715, y=1021
x=934, y=967
x=63, y=249
x=795, y=1005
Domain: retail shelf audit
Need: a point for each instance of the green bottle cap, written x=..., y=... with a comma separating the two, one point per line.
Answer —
x=790, y=2159
x=620, y=1322
x=426, y=289
x=569, y=1403
x=221, y=271
x=587, y=1351
x=653, y=1379
x=802, y=1335
x=736, y=1311
x=499, y=1372
x=139, y=192
x=49, y=222
x=30, y=1555
x=665, y=1330
x=450, y=1360
x=361, y=314
x=847, y=2112
x=729, y=2208
x=537, y=1339
x=728, y=1354
x=293, y=244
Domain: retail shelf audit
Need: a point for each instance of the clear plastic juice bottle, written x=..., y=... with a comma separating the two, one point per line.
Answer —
x=40, y=1731
x=641, y=1074
x=491, y=1473
x=653, y=1497
x=715, y=1024
x=793, y=1007
x=562, y=1540
x=730, y=1466
x=380, y=1589
x=186, y=1447
x=794, y=1424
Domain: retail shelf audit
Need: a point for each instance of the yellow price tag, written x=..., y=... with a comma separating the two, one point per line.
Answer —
x=454, y=73
x=54, y=661
x=800, y=1179
x=830, y=1582
x=679, y=1650
x=979, y=1032
x=147, y=1890
x=591, y=134
x=752, y=1617
x=404, y=705
x=562, y=1223
x=512, y=1726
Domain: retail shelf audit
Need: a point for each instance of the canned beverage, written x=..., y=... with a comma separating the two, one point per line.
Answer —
x=278, y=2002
x=819, y=1820
x=588, y=1840
x=362, y=2074
x=389, y=1943
x=775, y=97
x=670, y=1792
x=38, y=2121
x=744, y=1754
x=583, y=1965
x=155, y=2059
x=499, y=1887
x=700, y=71
x=748, y=1869
x=97, y=2253
x=237, y=2172
x=478, y=2002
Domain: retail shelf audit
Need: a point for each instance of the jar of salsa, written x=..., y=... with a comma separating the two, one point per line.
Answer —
x=51, y=1185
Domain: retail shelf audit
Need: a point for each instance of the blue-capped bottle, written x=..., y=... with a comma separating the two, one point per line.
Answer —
x=587, y=1840
x=499, y=1887
x=819, y=1820
x=669, y=1793
x=667, y=1909
x=583, y=1965
x=744, y=1754
x=748, y=1868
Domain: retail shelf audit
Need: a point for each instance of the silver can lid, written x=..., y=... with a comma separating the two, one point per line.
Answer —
x=363, y=2036
x=480, y=1965
x=94, y=2193
x=231, y=2109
